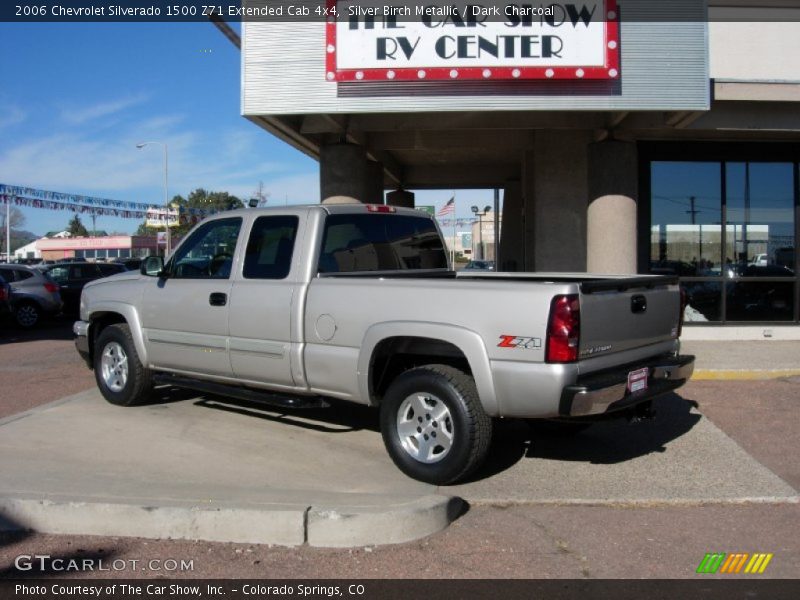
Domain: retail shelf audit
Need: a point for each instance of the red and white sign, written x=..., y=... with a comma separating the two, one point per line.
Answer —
x=376, y=40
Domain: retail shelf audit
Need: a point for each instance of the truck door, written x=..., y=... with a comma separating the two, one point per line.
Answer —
x=185, y=315
x=261, y=303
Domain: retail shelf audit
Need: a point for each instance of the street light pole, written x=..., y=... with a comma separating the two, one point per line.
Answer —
x=166, y=187
x=480, y=216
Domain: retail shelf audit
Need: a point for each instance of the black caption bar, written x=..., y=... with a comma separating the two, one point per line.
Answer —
x=179, y=589
x=465, y=11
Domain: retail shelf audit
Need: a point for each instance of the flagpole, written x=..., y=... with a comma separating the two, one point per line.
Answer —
x=453, y=259
x=8, y=229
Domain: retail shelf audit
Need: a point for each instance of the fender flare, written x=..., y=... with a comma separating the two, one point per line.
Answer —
x=466, y=340
x=131, y=316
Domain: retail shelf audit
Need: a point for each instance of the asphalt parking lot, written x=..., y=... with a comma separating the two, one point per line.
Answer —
x=714, y=473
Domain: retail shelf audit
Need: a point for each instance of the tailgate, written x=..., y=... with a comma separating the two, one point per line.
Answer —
x=623, y=314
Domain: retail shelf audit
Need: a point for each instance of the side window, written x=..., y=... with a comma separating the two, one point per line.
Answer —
x=83, y=272
x=208, y=253
x=270, y=247
x=59, y=274
x=108, y=269
x=367, y=242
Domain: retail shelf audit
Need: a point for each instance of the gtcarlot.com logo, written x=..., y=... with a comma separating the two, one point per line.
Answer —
x=737, y=562
x=45, y=562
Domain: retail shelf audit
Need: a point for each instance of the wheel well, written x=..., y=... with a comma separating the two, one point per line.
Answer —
x=27, y=300
x=395, y=355
x=99, y=322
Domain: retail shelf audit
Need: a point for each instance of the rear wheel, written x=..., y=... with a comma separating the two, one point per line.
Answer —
x=27, y=314
x=433, y=424
x=120, y=375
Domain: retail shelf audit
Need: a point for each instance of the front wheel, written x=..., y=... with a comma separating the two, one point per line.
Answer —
x=433, y=424
x=119, y=373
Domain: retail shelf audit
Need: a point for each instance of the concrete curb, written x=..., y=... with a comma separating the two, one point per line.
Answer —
x=283, y=525
x=366, y=526
x=743, y=375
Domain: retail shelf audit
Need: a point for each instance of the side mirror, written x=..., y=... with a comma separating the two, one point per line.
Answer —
x=152, y=266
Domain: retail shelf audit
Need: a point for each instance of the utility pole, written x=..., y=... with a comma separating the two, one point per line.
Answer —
x=692, y=211
x=261, y=195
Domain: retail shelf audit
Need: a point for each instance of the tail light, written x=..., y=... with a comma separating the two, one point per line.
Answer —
x=3, y=293
x=51, y=287
x=684, y=302
x=564, y=329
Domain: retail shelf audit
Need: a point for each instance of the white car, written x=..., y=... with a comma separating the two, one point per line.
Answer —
x=760, y=260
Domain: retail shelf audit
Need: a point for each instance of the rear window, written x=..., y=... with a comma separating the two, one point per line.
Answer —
x=380, y=242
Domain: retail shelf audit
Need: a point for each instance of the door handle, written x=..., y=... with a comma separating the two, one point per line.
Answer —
x=218, y=299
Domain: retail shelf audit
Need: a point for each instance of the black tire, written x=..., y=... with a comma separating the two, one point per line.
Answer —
x=27, y=314
x=115, y=342
x=466, y=426
x=558, y=428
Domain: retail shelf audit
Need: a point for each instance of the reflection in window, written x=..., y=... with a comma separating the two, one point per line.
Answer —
x=760, y=301
x=378, y=242
x=269, y=250
x=704, y=301
x=208, y=253
x=686, y=214
x=760, y=228
x=737, y=271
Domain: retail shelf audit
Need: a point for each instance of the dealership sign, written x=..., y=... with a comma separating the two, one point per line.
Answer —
x=373, y=40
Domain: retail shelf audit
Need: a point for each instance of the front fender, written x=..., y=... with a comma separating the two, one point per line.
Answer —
x=131, y=316
x=469, y=342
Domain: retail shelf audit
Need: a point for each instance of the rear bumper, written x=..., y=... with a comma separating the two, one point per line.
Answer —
x=81, y=331
x=607, y=391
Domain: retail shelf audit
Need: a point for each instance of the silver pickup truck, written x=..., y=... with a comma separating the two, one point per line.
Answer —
x=296, y=305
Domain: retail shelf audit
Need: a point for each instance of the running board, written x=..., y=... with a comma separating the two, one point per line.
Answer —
x=241, y=393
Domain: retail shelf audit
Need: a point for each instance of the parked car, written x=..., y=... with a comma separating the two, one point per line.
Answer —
x=33, y=294
x=72, y=276
x=132, y=264
x=480, y=265
x=5, y=297
x=759, y=260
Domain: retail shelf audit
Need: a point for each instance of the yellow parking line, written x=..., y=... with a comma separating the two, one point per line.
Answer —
x=743, y=375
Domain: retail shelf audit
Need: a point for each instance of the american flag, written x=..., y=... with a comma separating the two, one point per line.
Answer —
x=448, y=208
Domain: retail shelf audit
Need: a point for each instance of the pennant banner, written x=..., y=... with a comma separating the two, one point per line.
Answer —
x=31, y=197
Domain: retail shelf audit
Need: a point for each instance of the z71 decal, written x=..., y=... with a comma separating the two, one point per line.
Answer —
x=517, y=341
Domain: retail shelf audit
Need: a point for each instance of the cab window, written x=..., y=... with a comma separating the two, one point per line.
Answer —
x=209, y=251
x=270, y=247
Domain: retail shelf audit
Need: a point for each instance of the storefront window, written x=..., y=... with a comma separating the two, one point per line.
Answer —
x=686, y=235
x=727, y=229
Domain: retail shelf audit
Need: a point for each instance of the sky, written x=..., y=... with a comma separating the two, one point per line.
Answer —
x=76, y=98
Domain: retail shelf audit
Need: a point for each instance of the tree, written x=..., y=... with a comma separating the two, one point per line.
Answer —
x=204, y=200
x=76, y=228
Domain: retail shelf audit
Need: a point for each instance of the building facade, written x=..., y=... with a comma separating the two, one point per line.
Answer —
x=96, y=248
x=634, y=138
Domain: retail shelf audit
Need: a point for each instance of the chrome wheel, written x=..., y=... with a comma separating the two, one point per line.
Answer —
x=114, y=366
x=27, y=315
x=425, y=428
